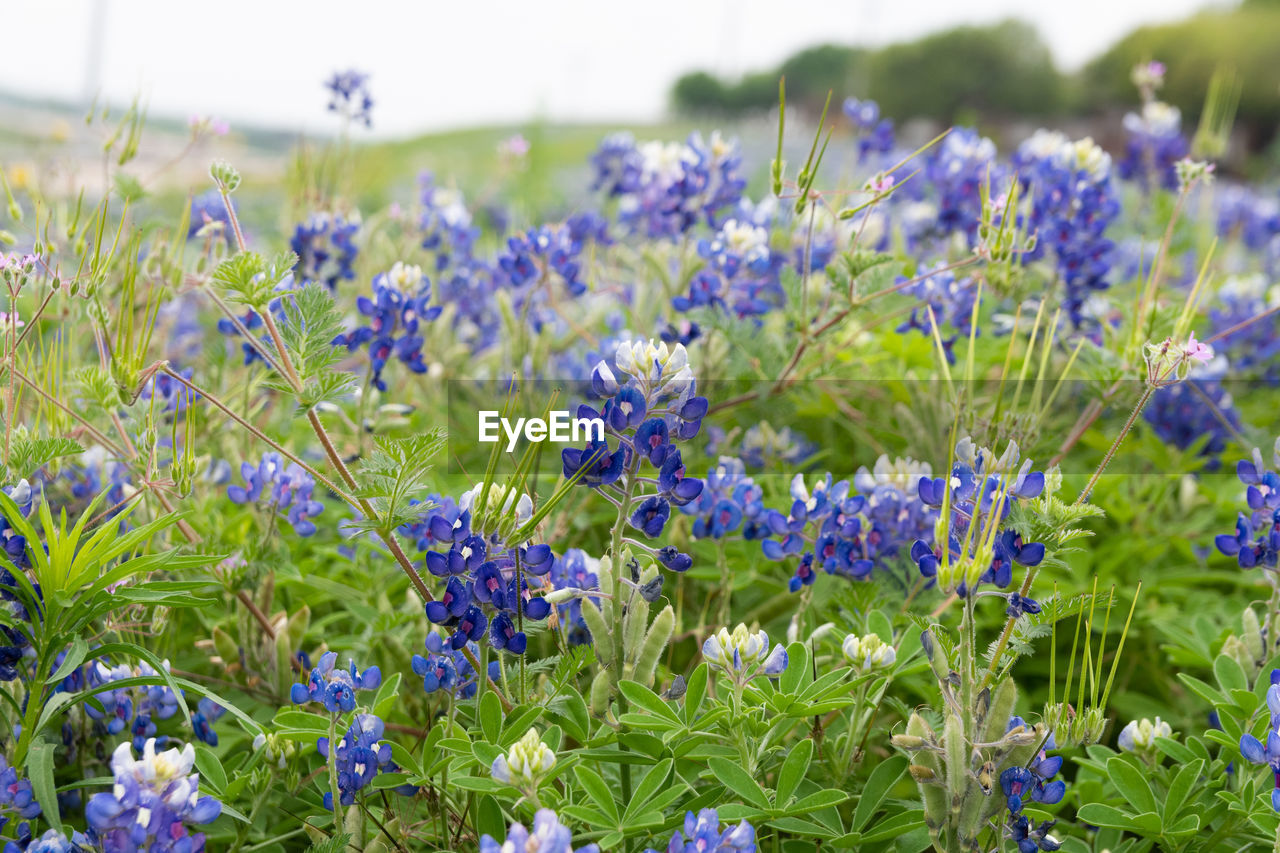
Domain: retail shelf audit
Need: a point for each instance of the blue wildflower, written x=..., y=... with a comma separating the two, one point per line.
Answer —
x=287, y=490
x=702, y=834
x=548, y=836
x=335, y=688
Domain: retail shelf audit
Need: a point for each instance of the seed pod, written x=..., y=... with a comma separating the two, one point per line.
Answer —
x=922, y=774
x=654, y=642
x=595, y=624
x=911, y=742
x=1252, y=635
x=633, y=626
x=1006, y=696
x=600, y=688
x=225, y=647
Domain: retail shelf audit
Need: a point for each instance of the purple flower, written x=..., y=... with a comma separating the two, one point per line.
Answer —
x=335, y=688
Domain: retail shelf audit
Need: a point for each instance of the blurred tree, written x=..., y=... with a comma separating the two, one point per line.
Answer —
x=1004, y=69
x=1246, y=39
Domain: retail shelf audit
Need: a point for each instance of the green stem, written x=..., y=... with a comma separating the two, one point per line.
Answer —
x=726, y=582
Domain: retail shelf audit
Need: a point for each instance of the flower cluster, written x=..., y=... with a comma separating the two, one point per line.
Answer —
x=846, y=533
x=979, y=497
x=286, y=489
x=702, y=834
x=326, y=249
x=17, y=799
x=875, y=134
x=743, y=655
x=1187, y=413
x=360, y=756
x=762, y=446
x=349, y=96
x=1073, y=202
x=1154, y=147
x=645, y=415
x=574, y=570
x=400, y=304
x=730, y=501
x=1256, y=541
x=333, y=687
x=741, y=275
x=664, y=188
x=153, y=803
x=54, y=841
x=945, y=301
x=483, y=572
x=1251, y=345
x=868, y=653
x=446, y=668
x=957, y=170
x=526, y=764
x=1256, y=752
x=548, y=836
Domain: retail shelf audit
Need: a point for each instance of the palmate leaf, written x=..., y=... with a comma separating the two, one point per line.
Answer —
x=31, y=453
x=394, y=474
x=250, y=279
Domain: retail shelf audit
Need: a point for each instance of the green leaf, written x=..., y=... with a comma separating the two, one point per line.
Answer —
x=75, y=656
x=40, y=774
x=210, y=768
x=642, y=697
x=294, y=721
x=695, y=692
x=1132, y=784
x=1229, y=674
x=1179, y=788
x=792, y=771
x=594, y=786
x=739, y=781
x=647, y=789
x=877, y=787
x=1100, y=814
x=489, y=714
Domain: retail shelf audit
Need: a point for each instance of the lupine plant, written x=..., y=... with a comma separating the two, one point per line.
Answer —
x=919, y=505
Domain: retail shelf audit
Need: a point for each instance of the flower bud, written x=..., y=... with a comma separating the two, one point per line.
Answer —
x=654, y=643
x=1139, y=736
x=526, y=764
x=868, y=653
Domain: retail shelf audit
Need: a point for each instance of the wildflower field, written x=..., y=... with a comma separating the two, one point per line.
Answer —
x=729, y=492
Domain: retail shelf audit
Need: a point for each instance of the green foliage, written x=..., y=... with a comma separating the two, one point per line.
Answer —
x=396, y=474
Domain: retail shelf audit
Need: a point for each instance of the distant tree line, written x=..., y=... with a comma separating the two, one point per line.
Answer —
x=1006, y=70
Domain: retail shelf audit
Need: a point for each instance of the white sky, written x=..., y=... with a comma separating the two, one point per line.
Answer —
x=441, y=64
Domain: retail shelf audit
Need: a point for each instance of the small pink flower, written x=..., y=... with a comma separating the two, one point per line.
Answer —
x=1197, y=350
x=5, y=317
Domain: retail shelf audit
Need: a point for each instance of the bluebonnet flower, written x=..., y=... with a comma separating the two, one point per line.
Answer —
x=846, y=533
x=1021, y=784
x=1155, y=145
x=207, y=713
x=950, y=300
x=1256, y=752
x=400, y=304
x=333, y=687
x=1073, y=202
x=445, y=222
x=117, y=704
x=14, y=543
x=172, y=396
x=875, y=134
x=1140, y=735
x=741, y=276
x=1253, y=349
x=646, y=414
x=982, y=490
x=446, y=668
x=1256, y=541
x=209, y=216
x=702, y=834
x=574, y=570
x=546, y=255
x=487, y=579
x=665, y=188
x=17, y=799
x=526, y=764
x=326, y=249
x=1254, y=217
x=349, y=96
x=731, y=501
x=743, y=655
x=1187, y=412
x=956, y=170
x=762, y=446
x=1030, y=836
x=420, y=532
x=288, y=490
x=53, y=841
x=548, y=836
x=153, y=804
x=360, y=756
